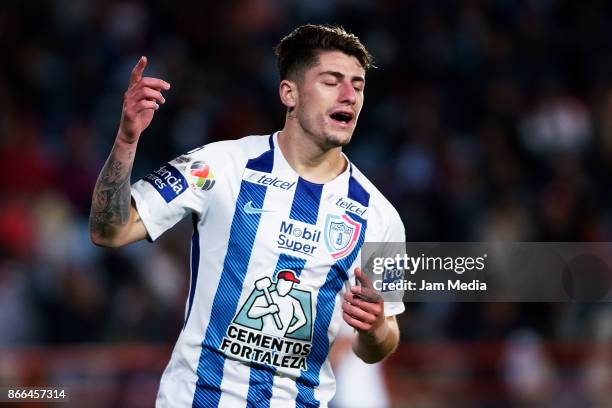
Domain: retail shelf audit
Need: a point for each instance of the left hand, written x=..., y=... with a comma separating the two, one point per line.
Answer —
x=364, y=307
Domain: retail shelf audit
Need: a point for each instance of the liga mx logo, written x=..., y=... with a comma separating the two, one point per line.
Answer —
x=201, y=176
x=341, y=234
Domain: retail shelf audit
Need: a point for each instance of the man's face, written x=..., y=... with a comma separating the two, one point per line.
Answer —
x=283, y=287
x=330, y=97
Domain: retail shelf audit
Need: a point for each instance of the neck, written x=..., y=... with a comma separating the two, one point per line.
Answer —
x=308, y=159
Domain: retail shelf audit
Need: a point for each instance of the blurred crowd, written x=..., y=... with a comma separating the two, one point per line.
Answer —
x=485, y=120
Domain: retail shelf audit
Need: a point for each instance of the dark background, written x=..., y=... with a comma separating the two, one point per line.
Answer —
x=485, y=120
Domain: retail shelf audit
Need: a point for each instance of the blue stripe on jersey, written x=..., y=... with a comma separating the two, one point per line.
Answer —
x=195, y=264
x=357, y=192
x=306, y=201
x=241, y=239
x=263, y=163
x=262, y=375
x=305, y=208
x=260, y=385
x=326, y=301
x=289, y=262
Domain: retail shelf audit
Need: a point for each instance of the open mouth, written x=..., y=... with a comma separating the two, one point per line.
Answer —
x=343, y=118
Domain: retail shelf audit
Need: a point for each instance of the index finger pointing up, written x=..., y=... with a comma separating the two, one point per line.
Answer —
x=138, y=70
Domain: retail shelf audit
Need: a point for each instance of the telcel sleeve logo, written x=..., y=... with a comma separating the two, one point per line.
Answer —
x=168, y=181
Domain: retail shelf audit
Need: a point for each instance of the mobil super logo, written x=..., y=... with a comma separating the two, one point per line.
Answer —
x=298, y=238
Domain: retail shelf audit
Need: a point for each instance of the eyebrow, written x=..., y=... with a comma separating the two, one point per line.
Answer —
x=340, y=76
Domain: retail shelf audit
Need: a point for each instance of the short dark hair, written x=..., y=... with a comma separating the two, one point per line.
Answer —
x=300, y=49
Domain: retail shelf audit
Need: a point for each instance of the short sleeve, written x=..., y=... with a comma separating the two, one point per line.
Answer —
x=394, y=233
x=176, y=189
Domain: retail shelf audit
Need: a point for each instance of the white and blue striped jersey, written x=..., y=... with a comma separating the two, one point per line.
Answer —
x=269, y=257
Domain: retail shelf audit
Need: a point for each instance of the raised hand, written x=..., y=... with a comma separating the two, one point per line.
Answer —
x=140, y=102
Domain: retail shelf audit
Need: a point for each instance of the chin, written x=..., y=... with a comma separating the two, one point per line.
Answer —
x=338, y=139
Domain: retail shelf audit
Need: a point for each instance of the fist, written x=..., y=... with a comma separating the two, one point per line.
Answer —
x=142, y=98
x=273, y=309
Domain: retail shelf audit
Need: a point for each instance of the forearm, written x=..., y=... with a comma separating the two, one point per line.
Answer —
x=113, y=220
x=110, y=208
x=376, y=346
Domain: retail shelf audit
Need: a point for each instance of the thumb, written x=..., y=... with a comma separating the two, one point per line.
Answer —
x=363, y=279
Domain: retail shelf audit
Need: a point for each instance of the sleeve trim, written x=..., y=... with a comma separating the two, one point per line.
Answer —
x=145, y=216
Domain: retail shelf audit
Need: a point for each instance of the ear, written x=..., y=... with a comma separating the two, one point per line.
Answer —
x=288, y=93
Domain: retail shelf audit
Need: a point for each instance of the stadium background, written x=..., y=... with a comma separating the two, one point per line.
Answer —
x=485, y=120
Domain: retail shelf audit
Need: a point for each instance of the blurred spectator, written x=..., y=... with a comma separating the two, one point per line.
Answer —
x=358, y=385
x=528, y=372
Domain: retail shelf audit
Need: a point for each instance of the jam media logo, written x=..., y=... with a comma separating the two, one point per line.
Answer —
x=168, y=181
x=341, y=234
x=201, y=176
x=274, y=324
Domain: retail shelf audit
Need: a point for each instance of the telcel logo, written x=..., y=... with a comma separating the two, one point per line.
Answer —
x=351, y=206
x=266, y=180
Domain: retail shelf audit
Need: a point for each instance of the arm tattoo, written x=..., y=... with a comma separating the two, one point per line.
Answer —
x=110, y=207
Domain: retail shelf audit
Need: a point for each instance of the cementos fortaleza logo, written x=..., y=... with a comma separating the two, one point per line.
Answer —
x=201, y=176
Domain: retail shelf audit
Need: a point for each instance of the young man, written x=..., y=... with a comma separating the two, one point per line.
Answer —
x=288, y=206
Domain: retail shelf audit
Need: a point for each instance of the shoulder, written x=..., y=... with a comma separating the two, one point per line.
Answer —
x=378, y=201
x=384, y=221
x=243, y=148
x=229, y=153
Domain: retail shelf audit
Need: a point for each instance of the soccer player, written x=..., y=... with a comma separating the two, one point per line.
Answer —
x=262, y=206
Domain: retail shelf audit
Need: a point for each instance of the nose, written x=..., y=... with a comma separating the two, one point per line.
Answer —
x=347, y=93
